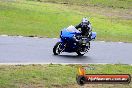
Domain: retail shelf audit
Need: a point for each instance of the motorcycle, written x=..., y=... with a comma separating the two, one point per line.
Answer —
x=67, y=42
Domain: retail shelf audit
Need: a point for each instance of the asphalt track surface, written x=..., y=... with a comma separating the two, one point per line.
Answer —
x=39, y=50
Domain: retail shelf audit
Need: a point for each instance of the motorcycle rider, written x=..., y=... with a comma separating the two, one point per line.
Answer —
x=86, y=30
x=85, y=26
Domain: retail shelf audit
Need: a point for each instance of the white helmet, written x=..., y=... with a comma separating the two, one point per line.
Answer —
x=85, y=20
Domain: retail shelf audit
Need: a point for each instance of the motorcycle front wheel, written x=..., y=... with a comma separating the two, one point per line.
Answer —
x=57, y=50
x=80, y=53
x=85, y=51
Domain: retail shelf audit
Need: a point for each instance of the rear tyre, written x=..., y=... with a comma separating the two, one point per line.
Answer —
x=56, y=49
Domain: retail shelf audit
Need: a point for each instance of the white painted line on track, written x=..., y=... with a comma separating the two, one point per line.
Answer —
x=20, y=36
x=120, y=42
x=55, y=38
x=4, y=35
x=36, y=37
x=101, y=41
x=51, y=63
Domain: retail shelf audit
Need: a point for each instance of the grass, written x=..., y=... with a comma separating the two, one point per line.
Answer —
x=30, y=18
x=126, y=4
x=31, y=76
x=54, y=76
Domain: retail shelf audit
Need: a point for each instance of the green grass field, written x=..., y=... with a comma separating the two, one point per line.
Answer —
x=55, y=76
x=125, y=4
x=111, y=21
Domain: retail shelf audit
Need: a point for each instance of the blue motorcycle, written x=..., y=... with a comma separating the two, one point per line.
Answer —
x=67, y=42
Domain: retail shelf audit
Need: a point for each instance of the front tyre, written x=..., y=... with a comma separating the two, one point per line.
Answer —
x=80, y=53
x=85, y=50
x=57, y=50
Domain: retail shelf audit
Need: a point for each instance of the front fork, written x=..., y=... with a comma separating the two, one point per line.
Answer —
x=87, y=47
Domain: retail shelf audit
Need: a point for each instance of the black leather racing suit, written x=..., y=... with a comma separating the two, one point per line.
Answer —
x=85, y=28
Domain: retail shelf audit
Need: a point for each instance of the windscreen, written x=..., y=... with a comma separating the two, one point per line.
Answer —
x=72, y=29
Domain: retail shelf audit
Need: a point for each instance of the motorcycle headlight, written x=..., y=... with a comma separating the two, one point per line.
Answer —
x=84, y=41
